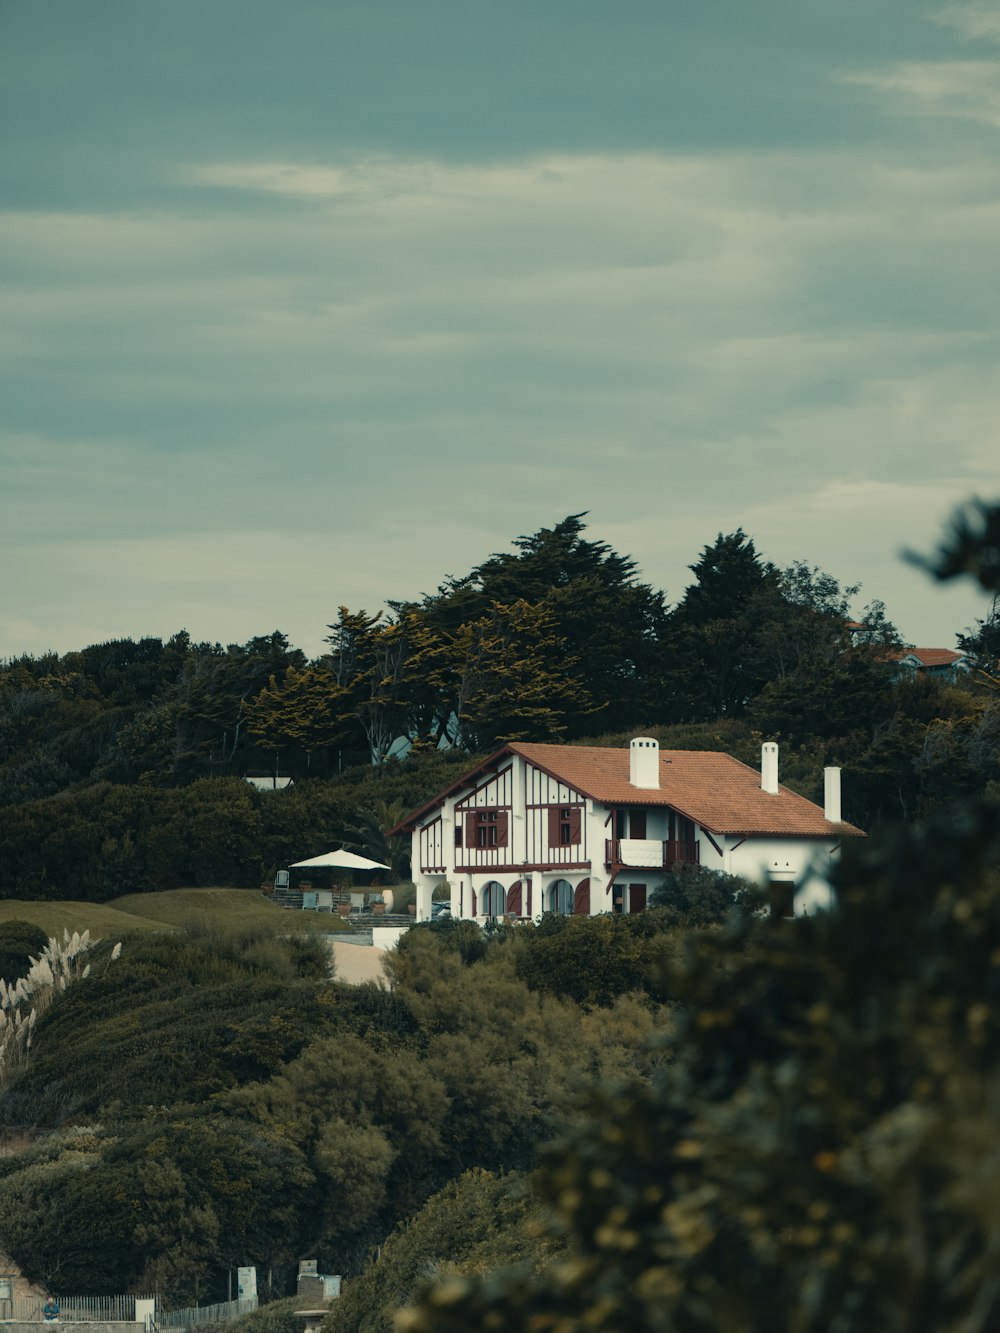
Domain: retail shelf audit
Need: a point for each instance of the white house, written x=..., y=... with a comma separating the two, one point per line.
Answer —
x=590, y=829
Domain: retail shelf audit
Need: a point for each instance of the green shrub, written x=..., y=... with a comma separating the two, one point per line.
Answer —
x=19, y=942
x=474, y=1224
x=274, y=1317
x=696, y=896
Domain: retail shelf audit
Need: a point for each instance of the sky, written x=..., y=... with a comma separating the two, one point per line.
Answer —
x=314, y=303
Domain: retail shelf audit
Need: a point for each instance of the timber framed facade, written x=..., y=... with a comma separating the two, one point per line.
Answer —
x=584, y=830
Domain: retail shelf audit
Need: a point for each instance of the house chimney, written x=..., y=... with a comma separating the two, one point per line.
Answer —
x=831, y=795
x=644, y=762
x=769, y=768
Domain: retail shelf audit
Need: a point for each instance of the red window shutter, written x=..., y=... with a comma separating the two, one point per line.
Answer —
x=470, y=830
x=514, y=898
x=637, y=897
x=637, y=824
x=529, y=898
x=474, y=912
x=554, y=813
x=502, y=828
x=581, y=898
x=575, y=823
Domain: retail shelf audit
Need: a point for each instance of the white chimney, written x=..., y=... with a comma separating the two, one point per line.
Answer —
x=644, y=762
x=769, y=768
x=831, y=795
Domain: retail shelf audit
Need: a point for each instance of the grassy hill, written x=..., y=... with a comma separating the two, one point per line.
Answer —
x=221, y=908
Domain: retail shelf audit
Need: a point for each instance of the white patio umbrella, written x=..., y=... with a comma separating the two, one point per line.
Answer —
x=339, y=860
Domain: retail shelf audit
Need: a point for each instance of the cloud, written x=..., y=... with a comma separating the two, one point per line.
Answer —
x=376, y=371
x=976, y=20
x=959, y=89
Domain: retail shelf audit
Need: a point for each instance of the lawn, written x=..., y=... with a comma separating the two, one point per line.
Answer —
x=224, y=908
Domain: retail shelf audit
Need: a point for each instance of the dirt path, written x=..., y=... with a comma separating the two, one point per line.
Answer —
x=23, y=1289
x=357, y=962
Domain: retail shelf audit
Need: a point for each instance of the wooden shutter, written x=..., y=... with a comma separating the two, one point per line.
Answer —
x=474, y=912
x=471, y=840
x=554, y=812
x=575, y=824
x=581, y=898
x=502, y=818
x=529, y=898
x=514, y=898
x=637, y=898
x=637, y=824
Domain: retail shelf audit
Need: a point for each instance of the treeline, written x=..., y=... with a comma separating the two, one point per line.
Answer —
x=114, y=760
x=97, y=842
x=557, y=639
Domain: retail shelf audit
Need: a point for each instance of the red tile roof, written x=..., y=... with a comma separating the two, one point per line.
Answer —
x=932, y=657
x=714, y=789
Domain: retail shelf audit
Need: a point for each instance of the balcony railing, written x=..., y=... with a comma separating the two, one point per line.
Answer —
x=650, y=853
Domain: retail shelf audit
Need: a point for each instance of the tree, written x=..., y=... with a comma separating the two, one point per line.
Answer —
x=982, y=642
x=714, y=671
x=600, y=613
x=367, y=835
x=508, y=675
x=307, y=709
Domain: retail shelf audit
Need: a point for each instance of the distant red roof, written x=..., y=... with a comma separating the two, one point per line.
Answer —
x=714, y=789
x=932, y=657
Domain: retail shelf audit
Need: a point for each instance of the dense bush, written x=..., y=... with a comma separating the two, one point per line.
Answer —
x=176, y=1019
x=594, y=960
x=694, y=896
x=20, y=941
x=156, y=1210
x=476, y=1223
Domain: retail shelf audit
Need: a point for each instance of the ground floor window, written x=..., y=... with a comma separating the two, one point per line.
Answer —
x=628, y=898
x=560, y=898
x=494, y=899
x=781, y=894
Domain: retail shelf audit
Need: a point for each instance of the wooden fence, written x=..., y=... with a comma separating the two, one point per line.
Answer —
x=205, y=1314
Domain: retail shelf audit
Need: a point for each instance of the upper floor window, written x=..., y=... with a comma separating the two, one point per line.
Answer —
x=486, y=828
x=565, y=825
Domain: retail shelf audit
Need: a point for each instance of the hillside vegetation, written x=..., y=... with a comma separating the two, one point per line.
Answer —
x=213, y=1098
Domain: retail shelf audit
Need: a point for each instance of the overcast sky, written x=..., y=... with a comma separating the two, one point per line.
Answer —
x=309, y=302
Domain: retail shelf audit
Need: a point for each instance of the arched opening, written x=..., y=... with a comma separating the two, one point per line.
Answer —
x=559, y=898
x=494, y=900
